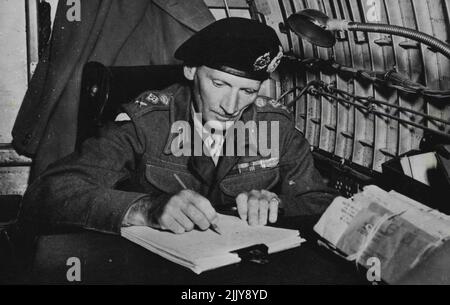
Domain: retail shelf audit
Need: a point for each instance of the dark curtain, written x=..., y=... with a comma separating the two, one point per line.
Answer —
x=113, y=32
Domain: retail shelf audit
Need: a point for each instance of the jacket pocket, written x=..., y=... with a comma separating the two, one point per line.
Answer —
x=258, y=180
x=162, y=178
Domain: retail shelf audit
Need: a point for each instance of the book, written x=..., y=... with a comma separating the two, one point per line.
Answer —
x=206, y=250
x=389, y=226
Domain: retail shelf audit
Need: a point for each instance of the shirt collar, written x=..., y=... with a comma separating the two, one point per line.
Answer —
x=181, y=110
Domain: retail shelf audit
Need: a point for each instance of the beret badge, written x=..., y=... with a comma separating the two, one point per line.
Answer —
x=275, y=62
x=264, y=62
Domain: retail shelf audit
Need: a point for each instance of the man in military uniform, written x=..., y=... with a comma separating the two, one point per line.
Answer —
x=224, y=65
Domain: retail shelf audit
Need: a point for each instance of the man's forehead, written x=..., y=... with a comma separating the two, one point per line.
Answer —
x=227, y=77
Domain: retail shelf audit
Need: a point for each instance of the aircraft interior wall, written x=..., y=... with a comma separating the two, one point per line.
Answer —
x=375, y=129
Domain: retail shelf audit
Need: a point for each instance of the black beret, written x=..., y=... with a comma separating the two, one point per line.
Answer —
x=239, y=46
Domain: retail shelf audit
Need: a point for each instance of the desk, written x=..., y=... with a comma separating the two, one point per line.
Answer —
x=109, y=259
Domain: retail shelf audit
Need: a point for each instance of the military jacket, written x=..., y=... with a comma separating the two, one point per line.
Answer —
x=86, y=189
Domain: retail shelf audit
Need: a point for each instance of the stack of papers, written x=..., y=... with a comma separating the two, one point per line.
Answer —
x=206, y=250
x=393, y=228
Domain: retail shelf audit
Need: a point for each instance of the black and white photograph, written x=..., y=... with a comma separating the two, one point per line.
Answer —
x=224, y=150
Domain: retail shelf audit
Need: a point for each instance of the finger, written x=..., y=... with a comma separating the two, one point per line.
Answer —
x=263, y=211
x=203, y=205
x=241, y=203
x=167, y=222
x=196, y=216
x=268, y=195
x=273, y=210
x=253, y=209
x=183, y=220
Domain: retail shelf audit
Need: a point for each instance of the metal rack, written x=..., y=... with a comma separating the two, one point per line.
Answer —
x=368, y=104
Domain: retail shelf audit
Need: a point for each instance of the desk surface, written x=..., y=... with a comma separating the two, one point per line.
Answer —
x=108, y=259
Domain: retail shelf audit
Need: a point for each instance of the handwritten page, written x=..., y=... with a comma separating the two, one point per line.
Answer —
x=336, y=219
x=204, y=250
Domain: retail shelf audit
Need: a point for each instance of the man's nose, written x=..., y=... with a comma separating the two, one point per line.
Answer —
x=231, y=104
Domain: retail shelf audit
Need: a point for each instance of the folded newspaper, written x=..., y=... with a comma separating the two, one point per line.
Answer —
x=397, y=230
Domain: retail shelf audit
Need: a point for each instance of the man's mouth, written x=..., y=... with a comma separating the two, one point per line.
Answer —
x=225, y=118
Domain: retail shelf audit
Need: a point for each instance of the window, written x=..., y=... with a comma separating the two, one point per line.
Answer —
x=236, y=8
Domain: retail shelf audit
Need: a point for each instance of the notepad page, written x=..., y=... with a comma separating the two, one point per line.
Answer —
x=208, y=247
x=336, y=219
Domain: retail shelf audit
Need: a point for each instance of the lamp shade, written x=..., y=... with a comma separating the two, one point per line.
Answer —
x=312, y=25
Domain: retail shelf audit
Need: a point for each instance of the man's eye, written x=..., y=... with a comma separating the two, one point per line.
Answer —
x=218, y=84
x=250, y=92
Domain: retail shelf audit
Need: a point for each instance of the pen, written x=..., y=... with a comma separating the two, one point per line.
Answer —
x=214, y=227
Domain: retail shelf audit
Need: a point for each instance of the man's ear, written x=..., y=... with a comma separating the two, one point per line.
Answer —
x=189, y=72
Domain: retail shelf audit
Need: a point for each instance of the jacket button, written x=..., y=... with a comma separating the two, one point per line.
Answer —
x=93, y=91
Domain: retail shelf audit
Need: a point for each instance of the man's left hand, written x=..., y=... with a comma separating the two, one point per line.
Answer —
x=257, y=207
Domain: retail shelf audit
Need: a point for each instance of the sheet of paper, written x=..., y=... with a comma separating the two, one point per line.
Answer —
x=406, y=166
x=336, y=219
x=418, y=166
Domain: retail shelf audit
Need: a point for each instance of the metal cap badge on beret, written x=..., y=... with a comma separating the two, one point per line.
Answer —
x=239, y=46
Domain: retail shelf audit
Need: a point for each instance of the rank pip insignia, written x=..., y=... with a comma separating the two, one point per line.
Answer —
x=152, y=98
x=164, y=99
x=278, y=104
x=275, y=103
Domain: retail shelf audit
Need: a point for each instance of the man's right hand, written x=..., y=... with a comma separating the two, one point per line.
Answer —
x=180, y=214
